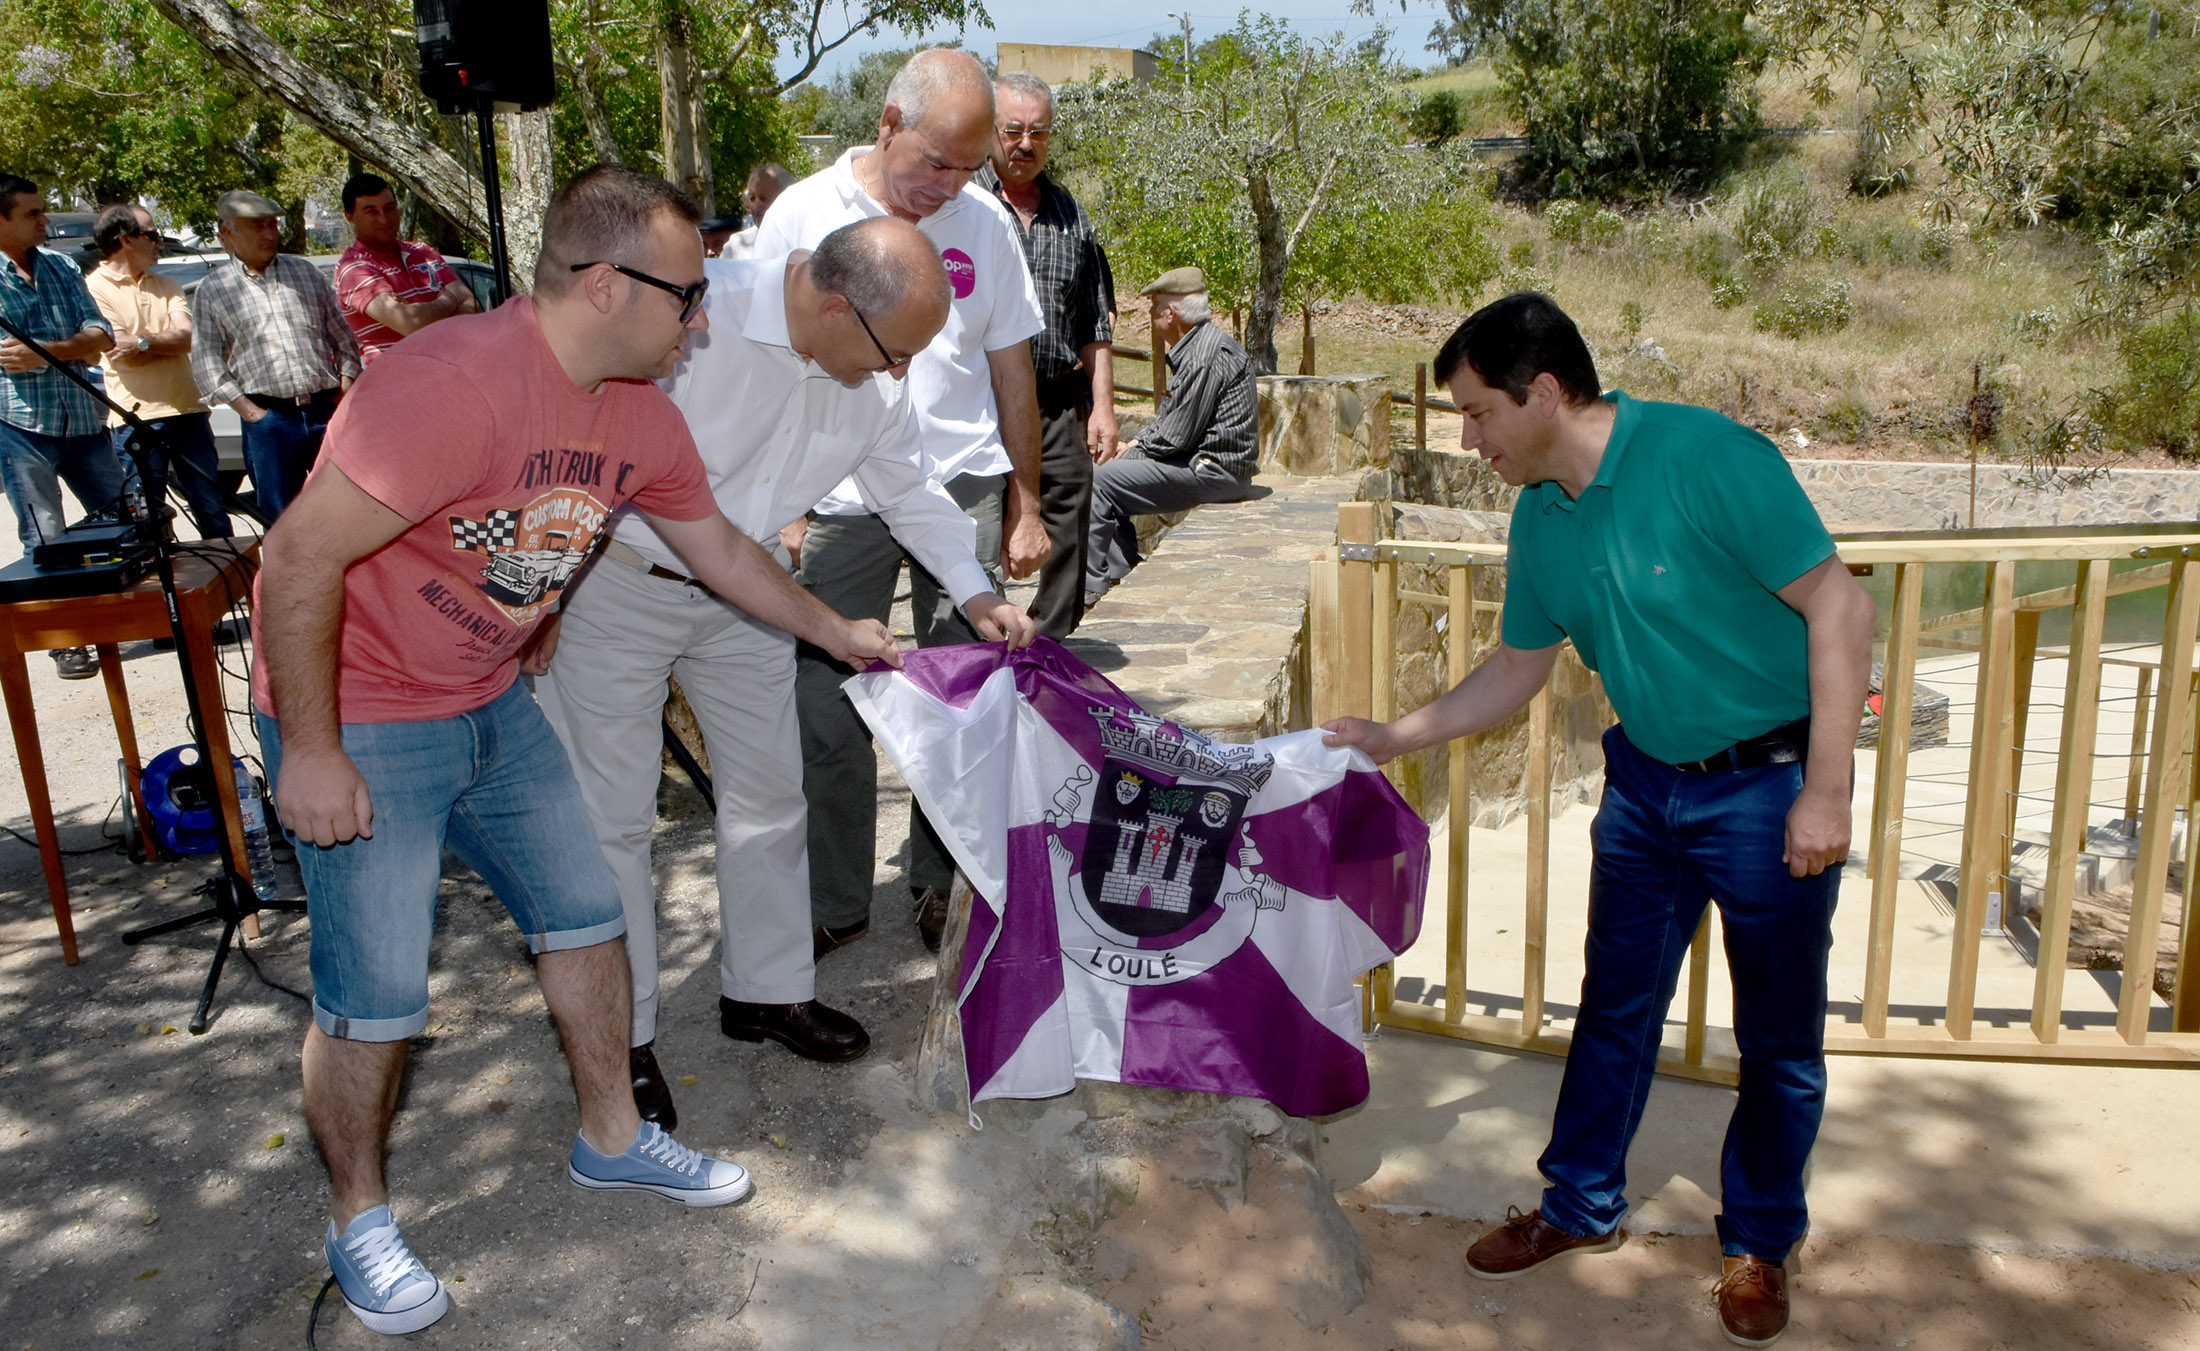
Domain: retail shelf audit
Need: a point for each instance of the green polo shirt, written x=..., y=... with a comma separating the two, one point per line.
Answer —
x=1664, y=572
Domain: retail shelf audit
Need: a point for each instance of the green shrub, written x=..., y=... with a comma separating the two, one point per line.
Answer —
x=1566, y=222
x=1521, y=256
x=1805, y=308
x=1604, y=230
x=1848, y=419
x=1630, y=318
x=2156, y=402
x=1728, y=291
x=1437, y=118
x=2040, y=325
x=1831, y=243
x=1936, y=246
x=1774, y=219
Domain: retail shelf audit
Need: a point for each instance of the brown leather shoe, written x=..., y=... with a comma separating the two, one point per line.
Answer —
x=809, y=1029
x=1524, y=1242
x=652, y=1095
x=824, y=939
x=1753, y=1301
x=931, y=915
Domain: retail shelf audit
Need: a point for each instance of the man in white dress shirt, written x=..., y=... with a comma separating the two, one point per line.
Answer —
x=796, y=385
x=978, y=412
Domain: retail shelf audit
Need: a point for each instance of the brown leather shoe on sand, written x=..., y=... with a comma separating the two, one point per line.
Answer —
x=1753, y=1301
x=1524, y=1242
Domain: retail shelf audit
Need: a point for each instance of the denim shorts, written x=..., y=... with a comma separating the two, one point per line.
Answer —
x=493, y=784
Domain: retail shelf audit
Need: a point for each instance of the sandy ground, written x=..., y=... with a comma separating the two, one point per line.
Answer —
x=1197, y=1278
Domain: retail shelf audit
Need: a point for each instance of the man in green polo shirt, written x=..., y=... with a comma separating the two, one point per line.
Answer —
x=1677, y=551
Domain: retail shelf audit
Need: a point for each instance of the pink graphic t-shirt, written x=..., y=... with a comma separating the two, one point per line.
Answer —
x=510, y=472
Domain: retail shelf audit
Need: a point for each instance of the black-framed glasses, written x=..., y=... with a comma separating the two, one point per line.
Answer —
x=891, y=360
x=691, y=296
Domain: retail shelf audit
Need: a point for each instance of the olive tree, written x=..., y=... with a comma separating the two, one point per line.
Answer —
x=1281, y=166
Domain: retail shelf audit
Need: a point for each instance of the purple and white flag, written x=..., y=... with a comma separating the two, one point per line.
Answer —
x=1154, y=907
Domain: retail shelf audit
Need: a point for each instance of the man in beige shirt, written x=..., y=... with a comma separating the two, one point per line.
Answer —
x=149, y=367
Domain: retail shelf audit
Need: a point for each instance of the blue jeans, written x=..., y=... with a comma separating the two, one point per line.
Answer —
x=281, y=447
x=1666, y=841
x=493, y=784
x=191, y=437
x=33, y=466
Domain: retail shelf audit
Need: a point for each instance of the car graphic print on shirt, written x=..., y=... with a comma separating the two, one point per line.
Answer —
x=531, y=552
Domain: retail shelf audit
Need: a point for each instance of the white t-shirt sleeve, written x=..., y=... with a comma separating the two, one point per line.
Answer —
x=1016, y=314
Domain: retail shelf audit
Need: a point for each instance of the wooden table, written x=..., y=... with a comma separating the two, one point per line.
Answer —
x=206, y=588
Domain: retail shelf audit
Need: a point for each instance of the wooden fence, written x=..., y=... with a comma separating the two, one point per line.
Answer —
x=1355, y=595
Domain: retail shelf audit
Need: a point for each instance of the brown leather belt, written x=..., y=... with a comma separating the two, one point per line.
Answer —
x=1781, y=746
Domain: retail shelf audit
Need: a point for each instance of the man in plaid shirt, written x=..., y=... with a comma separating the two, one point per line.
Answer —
x=1076, y=372
x=50, y=429
x=271, y=342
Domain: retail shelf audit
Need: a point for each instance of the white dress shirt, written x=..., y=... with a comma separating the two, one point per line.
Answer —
x=776, y=433
x=995, y=306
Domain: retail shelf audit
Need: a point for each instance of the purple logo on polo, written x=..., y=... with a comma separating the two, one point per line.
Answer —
x=961, y=272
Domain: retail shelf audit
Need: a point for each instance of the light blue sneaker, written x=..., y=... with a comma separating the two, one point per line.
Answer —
x=383, y=1284
x=656, y=1162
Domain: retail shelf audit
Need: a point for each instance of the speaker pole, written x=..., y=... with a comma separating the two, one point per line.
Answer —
x=485, y=126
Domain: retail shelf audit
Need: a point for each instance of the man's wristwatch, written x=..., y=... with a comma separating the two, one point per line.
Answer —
x=143, y=344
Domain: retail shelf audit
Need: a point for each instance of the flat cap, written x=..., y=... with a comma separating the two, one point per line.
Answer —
x=245, y=202
x=1177, y=281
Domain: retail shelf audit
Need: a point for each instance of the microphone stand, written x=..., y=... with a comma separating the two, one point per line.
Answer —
x=229, y=893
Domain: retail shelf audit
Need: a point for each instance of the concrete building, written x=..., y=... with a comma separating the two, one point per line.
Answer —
x=1062, y=65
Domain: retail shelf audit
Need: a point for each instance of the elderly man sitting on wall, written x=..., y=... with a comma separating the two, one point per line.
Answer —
x=1204, y=443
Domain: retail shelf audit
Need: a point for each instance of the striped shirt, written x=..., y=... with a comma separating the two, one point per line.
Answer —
x=414, y=274
x=276, y=332
x=1212, y=408
x=56, y=308
x=1068, y=268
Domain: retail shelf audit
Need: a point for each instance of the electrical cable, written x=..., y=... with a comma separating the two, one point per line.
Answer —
x=315, y=1316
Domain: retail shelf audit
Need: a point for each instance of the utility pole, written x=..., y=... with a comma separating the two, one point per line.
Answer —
x=1186, y=19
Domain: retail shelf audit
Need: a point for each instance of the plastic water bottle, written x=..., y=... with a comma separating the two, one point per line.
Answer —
x=259, y=849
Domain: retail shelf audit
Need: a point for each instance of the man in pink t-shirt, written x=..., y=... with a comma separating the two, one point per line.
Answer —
x=391, y=288
x=396, y=603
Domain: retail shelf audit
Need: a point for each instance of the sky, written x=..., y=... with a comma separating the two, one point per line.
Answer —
x=1129, y=23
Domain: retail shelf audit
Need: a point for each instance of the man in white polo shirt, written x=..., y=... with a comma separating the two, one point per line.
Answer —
x=788, y=392
x=977, y=408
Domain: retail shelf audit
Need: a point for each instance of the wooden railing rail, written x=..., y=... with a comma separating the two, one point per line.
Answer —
x=1354, y=598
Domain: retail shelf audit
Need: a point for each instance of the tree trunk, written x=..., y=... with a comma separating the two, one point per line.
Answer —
x=342, y=113
x=680, y=110
x=581, y=80
x=1260, y=325
x=527, y=136
x=1306, y=340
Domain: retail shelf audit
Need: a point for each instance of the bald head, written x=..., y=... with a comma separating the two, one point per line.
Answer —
x=942, y=90
x=887, y=269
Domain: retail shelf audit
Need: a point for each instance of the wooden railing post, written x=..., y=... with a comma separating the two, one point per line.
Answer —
x=2185, y=1006
x=1420, y=405
x=1539, y=862
x=1984, y=814
x=1890, y=785
x=2157, y=809
x=1356, y=608
x=2135, y=777
x=1458, y=658
x=2073, y=797
x=2026, y=642
x=1699, y=991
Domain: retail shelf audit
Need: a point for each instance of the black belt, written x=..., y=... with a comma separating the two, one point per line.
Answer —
x=1781, y=746
x=284, y=401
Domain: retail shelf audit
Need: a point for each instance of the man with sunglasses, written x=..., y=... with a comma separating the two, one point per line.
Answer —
x=397, y=601
x=1072, y=359
x=978, y=420
x=797, y=384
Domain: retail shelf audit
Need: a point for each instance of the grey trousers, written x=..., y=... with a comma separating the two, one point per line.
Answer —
x=623, y=634
x=1132, y=485
x=851, y=563
x=1065, y=508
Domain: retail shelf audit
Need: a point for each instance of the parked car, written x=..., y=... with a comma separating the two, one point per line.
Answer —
x=192, y=269
x=70, y=232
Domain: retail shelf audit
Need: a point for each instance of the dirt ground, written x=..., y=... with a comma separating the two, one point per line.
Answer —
x=1197, y=1278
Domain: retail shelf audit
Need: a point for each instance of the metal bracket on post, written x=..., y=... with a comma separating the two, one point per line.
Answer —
x=1355, y=551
